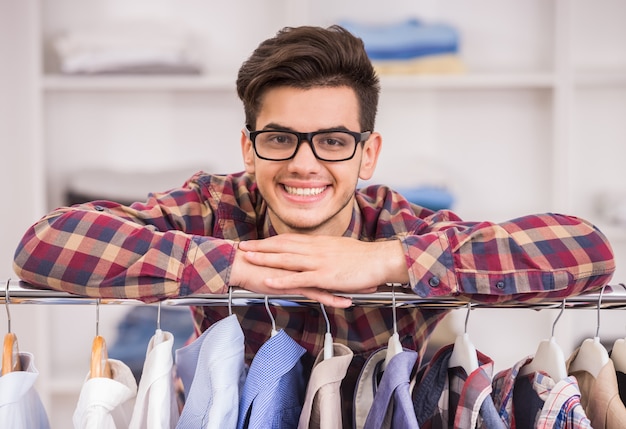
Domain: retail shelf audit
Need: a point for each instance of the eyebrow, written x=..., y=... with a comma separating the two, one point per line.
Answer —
x=275, y=126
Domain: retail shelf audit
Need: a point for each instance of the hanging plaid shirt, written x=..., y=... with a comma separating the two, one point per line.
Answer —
x=183, y=241
x=536, y=400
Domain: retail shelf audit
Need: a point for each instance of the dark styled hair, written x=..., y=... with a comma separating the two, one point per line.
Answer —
x=308, y=57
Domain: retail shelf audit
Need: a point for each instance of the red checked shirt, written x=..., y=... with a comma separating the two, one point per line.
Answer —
x=183, y=242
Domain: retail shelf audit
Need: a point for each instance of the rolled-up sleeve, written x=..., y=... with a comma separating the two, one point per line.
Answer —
x=531, y=257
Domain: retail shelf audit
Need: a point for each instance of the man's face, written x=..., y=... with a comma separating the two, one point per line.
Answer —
x=304, y=194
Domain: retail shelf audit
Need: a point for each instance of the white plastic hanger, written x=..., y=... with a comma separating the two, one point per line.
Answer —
x=328, y=337
x=464, y=352
x=549, y=357
x=267, y=307
x=10, y=350
x=393, y=345
x=592, y=355
x=618, y=352
x=618, y=355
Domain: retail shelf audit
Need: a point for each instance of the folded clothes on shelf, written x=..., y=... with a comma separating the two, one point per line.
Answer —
x=429, y=196
x=128, y=47
x=431, y=64
x=407, y=39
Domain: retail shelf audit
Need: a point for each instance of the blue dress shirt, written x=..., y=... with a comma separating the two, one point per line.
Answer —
x=393, y=406
x=212, y=371
x=274, y=391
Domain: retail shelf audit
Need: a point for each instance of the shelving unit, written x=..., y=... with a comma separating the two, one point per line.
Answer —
x=536, y=124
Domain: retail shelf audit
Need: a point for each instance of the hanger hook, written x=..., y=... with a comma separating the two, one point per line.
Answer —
x=230, y=300
x=325, y=317
x=159, y=316
x=97, y=317
x=393, y=308
x=267, y=307
x=6, y=303
x=599, y=307
x=469, y=308
x=558, y=317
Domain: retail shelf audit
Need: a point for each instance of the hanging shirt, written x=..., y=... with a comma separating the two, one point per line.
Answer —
x=322, y=402
x=536, y=400
x=621, y=384
x=562, y=408
x=183, y=241
x=155, y=405
x=107, y=403
x=275, y=386
x=600, y=398
x=20, y=404
x=448, y=397
x=392, y=406
x=366, y=387
x=212, y=372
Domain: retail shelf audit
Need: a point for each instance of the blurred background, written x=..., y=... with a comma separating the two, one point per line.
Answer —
x=494, y=108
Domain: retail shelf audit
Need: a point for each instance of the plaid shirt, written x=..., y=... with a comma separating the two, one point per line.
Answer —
x=543, y=401
x=183, y=241
x=446, y=397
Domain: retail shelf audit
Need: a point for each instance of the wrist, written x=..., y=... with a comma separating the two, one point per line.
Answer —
x=394, y=263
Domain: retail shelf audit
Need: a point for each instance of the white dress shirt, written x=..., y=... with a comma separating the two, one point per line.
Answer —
x=20, y=405
x=155, y=406
x=107, y=403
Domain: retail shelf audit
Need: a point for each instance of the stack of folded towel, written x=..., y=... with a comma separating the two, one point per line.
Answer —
x=410, y=46
x=129, y=47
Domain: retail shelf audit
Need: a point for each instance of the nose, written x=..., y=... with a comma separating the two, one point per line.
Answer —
x=304, y=160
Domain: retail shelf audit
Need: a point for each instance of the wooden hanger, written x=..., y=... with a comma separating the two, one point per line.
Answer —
x=549, y=357
x=99, y=366
x=10, y=350
x=463, y=351
x=592, y=355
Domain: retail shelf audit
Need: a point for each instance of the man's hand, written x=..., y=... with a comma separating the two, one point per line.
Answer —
x=324, y=265
x=255, y=279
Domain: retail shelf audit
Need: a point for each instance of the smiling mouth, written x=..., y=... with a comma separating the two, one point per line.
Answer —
x=304, y=192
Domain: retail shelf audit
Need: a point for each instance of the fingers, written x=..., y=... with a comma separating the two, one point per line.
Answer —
x=326, y=298
x=291, y=243
x=279, y=260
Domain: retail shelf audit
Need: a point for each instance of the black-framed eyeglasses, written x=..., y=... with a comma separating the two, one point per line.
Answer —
x=327, y=145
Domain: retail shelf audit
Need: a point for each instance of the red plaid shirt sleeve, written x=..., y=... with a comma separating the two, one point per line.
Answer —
x=148, y=251
x=535, y=257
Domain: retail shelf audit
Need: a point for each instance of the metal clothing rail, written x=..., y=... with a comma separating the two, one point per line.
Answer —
x=19, y=292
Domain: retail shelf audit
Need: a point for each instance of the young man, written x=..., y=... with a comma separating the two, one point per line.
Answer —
x=294, y=223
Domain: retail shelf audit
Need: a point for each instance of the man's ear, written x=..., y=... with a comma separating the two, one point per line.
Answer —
x=371, y=150
x=247, y=151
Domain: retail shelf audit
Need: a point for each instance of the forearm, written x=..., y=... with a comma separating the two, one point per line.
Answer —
x=534, y=257
x=97, y=254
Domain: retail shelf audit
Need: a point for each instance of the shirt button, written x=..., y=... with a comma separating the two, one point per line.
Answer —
x=434, y=281
x=99, y=208
x=500, y=285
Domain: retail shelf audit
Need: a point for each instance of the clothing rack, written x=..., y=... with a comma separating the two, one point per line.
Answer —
x=20, y=292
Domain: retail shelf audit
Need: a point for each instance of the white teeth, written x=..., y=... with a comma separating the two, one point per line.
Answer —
x=304, y=191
